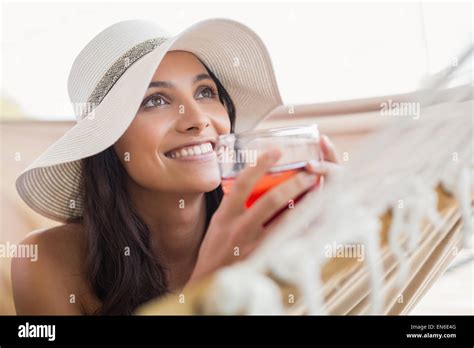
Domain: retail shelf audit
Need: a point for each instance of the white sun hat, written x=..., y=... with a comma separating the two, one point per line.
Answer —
x=108, y=81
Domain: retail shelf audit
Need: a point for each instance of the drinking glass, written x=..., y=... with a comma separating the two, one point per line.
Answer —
x=297, y=144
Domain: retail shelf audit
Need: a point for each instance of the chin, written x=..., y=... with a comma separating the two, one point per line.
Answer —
x=206, y=185
x=210, y=186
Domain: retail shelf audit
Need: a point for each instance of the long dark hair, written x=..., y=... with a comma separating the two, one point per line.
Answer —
x=121, y=267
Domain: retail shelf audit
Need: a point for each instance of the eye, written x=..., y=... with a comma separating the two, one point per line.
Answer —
x=153, y=101
x=207, y=92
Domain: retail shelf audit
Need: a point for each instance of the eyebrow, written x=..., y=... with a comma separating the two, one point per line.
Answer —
x=167, y=84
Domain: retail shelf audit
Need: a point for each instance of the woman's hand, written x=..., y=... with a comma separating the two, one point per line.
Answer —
x=235, y=231
x=329, y=166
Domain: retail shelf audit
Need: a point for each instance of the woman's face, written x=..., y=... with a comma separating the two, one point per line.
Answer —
x=180, y=108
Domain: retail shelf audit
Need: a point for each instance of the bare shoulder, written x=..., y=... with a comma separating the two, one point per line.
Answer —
x=62, y=245
x=64, y=238
x=53, y=281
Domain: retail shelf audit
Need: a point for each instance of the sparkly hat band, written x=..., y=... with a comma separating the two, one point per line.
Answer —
x=115, y=71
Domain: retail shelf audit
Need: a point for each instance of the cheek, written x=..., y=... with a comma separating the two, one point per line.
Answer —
x=225, y=126
x=137, y=150
x=221, y=121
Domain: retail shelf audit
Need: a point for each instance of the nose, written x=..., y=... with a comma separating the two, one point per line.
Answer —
x=192, y=118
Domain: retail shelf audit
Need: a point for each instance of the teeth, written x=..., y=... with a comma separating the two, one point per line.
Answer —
x=192, y=150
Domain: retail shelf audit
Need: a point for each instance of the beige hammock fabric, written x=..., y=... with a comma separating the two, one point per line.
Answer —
x=346, y=284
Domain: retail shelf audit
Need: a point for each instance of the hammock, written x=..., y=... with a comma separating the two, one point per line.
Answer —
x=377, y=234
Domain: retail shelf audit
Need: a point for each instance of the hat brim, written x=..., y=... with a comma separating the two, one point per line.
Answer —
x=235, y=54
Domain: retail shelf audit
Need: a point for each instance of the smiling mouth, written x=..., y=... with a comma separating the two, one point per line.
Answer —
x=193, y=152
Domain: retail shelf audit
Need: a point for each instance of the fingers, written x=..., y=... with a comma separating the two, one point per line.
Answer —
x=329, y=150
x=277, y=198
x=322, y=167
x=329, y=166
x=327, y=169
x=246, y=180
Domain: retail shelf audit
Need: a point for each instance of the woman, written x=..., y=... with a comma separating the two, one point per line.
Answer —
x=147, y=216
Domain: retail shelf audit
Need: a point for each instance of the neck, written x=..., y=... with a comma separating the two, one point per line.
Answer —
x=177, y=225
